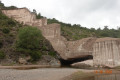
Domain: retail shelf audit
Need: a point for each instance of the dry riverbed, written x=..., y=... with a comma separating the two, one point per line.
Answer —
x=38, y=74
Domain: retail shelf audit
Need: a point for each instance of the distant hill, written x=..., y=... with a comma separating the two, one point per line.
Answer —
x=76, y=31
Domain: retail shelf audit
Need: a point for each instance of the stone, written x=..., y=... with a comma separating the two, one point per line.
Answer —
x=22, y=61
x=49, y=60
x=84, y=64
x=55, y=63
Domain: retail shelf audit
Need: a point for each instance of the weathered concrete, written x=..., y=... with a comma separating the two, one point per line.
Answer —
x=106, y=52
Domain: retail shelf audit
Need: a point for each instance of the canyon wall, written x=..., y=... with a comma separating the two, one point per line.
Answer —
x=105, y=51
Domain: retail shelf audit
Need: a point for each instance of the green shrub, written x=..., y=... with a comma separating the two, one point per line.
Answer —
x=5, y=30
x=1, y=44
x=52, y=53
x=35, y=55
x=44, y=48
x=29, y=38
x=29, y=41
x=2, y=55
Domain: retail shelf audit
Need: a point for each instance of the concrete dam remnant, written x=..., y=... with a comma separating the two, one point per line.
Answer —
x=106, y=52
x=98, y=48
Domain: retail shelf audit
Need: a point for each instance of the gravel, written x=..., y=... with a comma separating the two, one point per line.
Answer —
x=36, y=74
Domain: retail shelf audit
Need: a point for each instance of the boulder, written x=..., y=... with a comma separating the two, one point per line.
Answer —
x=22, y=61
x=84, y=64
x=49, y=60
x=55, y=63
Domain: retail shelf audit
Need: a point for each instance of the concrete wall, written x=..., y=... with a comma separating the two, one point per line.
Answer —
x=106, y=52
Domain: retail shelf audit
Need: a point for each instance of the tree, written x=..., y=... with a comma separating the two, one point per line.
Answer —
x=1, y=5
x=39, y=16
x=105, y=28
x=29, y=41
x=34, y=11
x=92, y=29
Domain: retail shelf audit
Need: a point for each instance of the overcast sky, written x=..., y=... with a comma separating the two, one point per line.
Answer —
x=88, y=13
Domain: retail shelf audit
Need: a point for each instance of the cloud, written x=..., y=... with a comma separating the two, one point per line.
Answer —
x=88, y=13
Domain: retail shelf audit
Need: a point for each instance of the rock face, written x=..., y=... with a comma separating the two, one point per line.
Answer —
x=23, y=15
x=22, y=61
x=105, y=51
x=84, y=64
x=49, y=60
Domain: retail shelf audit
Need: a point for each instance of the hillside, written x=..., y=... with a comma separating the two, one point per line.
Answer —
x=22, y=41
x=76, y=31
x=17, y=45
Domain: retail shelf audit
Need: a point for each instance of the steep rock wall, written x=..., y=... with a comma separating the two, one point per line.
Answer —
x=23, y=15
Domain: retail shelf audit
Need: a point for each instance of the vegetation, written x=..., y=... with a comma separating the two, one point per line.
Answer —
x=1, y=4
x=76, y=31
x=38, y=15
x=52, y=53
x=3, y=7
x=1, y=44
x=6, y=22
x=17, y=40
x=29, y=41
x=2, y=55
x=5, y=30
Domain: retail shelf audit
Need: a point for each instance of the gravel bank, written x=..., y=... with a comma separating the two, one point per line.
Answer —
x=36, y=74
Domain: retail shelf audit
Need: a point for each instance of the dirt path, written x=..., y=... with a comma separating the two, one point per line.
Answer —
x=36, y=74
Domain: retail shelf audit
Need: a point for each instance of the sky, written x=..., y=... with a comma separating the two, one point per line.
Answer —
x=87, y=13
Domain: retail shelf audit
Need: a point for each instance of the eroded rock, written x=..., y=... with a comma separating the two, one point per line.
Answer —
x=22, y=61
x=49, y=60
x=84, y=64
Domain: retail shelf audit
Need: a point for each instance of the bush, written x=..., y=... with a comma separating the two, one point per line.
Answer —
x=5, y=21
x=2, y=55
x=29, y=41
x=1, y=44
x=5, y=30
x=10, y=22
x=52, y=53
x=35, y=55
